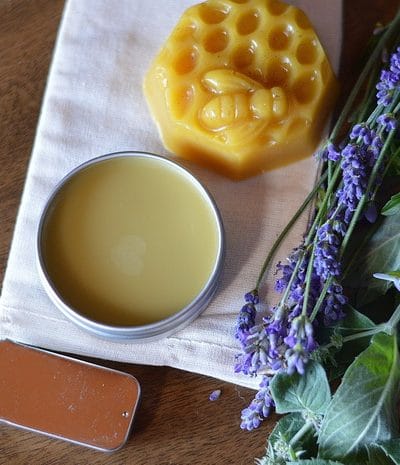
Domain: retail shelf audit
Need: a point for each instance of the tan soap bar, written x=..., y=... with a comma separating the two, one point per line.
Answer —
x=66, y=398
x=241, y=86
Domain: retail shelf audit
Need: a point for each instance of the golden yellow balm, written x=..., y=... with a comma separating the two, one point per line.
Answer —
x=241, y=86
x=129, y=241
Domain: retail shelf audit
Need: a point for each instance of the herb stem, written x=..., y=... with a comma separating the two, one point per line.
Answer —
x=370, y=96
x=287, y=228
x=394, y=319
x=321, y=212
x=352, y=337
x=372, y=117
x=368, y=332
x=329, y=171
x=308, y=280
x=321, y=298
x=302, y=431
x=324, y=204
x=300, y=260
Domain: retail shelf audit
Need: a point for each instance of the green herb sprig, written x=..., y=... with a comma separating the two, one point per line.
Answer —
x=349, y=258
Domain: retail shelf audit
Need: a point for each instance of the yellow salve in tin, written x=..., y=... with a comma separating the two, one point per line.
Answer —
x=129, y=240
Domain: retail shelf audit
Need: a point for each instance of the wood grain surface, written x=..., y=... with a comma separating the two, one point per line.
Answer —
x=176, y=423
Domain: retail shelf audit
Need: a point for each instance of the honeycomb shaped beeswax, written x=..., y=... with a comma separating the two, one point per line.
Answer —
x=241, y=86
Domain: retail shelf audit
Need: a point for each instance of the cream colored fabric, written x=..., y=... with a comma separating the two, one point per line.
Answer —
x=94, y=105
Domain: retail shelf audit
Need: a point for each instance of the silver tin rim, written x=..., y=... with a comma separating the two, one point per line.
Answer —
x=158, y=329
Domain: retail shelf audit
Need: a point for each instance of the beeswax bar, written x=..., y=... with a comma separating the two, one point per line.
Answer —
x=241, y=86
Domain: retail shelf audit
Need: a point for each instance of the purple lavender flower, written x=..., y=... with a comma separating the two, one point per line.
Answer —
x=389, y=80
x=285, y=338
x=339, y=221
x=358, y=158
x=361, y=131
x=326, y=261
x=247, y=316
x=263, y=349
x=301, y=343
x=251, y=418
x=276, y=329
x=333, y=305
x=388, y=121
x=329, y=152
x=259, y=408
x=252, y=297
x=298, y=258
x=288, y=269
x=255, y=349
x=333, y=153
x=375, y=147
x=354, y=175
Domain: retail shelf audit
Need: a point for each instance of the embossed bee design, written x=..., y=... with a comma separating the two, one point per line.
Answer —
x=240, y=105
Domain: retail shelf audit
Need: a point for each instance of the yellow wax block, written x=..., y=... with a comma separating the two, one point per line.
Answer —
x=241, y=86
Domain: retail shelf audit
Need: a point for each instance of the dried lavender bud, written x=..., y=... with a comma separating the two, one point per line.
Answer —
x=215, y=395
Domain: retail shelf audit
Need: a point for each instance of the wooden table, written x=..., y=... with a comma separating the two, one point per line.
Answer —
x=176, y=423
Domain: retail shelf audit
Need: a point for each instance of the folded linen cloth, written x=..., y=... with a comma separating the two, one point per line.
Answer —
x=94, y=105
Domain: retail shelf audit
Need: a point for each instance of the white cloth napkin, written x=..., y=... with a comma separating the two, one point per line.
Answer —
x=94, y=105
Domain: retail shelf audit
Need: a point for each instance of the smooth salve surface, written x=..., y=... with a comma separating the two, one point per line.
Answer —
x=129, y=241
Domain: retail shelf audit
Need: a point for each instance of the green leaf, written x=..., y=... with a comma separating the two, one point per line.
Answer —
x=315, y=462
x=363, y=409
x=394, y=274
x=392, y=207
x=391, y=449
x=298, y=393
x=282, y=434
x=381, y=459
x=355, y=322
x=381, y=253
x=286, y=428
x=376, y=456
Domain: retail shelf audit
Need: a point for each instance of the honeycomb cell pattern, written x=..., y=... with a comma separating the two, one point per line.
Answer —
x=241, y=86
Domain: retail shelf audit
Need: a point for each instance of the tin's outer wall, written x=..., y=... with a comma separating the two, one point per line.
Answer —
x=155, y=330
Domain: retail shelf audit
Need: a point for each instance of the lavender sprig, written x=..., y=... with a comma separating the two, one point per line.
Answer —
x=283, y=338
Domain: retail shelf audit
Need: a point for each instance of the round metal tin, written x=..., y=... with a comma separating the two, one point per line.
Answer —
x=139, y=333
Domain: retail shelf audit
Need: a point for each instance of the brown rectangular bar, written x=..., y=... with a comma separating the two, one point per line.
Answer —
x=66, y=398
